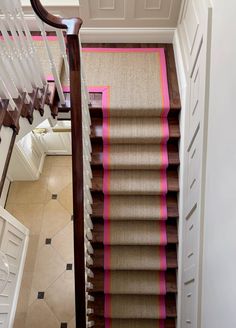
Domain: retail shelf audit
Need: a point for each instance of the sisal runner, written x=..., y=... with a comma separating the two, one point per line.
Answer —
x=135, y=105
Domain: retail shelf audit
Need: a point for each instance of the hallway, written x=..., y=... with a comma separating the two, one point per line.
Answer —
x=45, y=206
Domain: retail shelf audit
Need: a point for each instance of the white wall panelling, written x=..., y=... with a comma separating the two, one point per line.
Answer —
x=191, y=44
x=117, y=20
x=130, y=13
x=219, y=265
x=56, y=143
x=27, y=159
x=13, y=243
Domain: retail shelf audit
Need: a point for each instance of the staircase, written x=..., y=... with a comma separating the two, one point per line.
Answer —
x=125, y=231
x=135, y=286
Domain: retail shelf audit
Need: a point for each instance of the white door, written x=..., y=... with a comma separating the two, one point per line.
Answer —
x=13, y=244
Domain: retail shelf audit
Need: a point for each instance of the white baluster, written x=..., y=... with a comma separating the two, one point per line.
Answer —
x=18, y=14
x=89, y=285
x=4, y=94
x=90, y=311
x=63, y=52
x=8, y=81
x=51, y=61
x=89, y=273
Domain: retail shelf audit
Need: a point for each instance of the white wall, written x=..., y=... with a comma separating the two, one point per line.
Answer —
x=191, y=46
x=219, y=266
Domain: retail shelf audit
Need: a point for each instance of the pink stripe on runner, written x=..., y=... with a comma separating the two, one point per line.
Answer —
x=37, y=38
x=163, y=182
x=107, y=323
x=162, y=253
x=66, y=89
x=161, y=324
x=162, y=307
x=40, y=38
x=107, y=257
x=50, y=78
x=107, y=281
x=107, y=307
x=162, y=278
x=165, y=130
x=107, y=224
x=163, y=232
x=164, y=156
x=106, y=179
x=165, y=89
x=125, y=50
x=163, y=206
x=105, y=155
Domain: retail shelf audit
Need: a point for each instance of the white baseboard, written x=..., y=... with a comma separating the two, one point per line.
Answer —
x=127, y=35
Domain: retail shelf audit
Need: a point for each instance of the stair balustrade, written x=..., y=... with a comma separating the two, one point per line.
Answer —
x=81, y=157
x=24, y=86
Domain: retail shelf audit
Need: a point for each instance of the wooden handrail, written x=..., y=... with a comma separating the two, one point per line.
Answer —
x=73, y=25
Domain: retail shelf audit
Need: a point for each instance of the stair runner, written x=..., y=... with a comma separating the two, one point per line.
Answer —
x=135, y=97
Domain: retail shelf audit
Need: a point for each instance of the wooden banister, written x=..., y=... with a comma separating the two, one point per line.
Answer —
x=73, y=26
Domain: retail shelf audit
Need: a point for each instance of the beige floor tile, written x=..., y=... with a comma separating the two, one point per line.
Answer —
x=57, y=182
x=31, y=253
x=32, y=204
x=65, y=198
x=28, y=192
x=46, y=168
x=49, y=266
x=63, y=243
x=40, y=315
x=30, y=215
x=71, y=323
x=20, y=319
x=25, y=292
x=33, y=296
x=55, y=217
x=60, y=297
x=59, y=160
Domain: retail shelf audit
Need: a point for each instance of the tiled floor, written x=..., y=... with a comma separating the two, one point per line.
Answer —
x=45, y=207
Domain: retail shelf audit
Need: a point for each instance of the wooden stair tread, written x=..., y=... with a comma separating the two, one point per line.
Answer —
x=98, y=258
x=96, y=128
x=98, y=281
x=3, y=109
x=100, y=323
x=98, y=203
x=172, y=180
x=97, y=154
x=171, y=230
x=98, y=305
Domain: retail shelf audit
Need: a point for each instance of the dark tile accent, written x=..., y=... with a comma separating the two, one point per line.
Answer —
x=48, y=241
x=69, y=266
x=40, y=295
x=64, y=325
x=54, y=196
